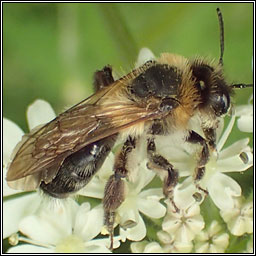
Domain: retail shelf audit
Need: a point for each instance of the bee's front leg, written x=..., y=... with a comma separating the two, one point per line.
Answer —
x=158, y=162
x=114, y=190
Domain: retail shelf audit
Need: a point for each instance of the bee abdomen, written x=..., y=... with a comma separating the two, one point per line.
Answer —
x=78, y=168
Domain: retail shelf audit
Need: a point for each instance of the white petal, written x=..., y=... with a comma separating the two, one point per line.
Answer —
x=186, y=234
x=27, y=248
x=182, y=247
x=196, y=224
x=96, y=249
x=152, y=194
x=226, y=133
x=144, y=55
x=171, y=224
x=202, y=237
x=104, y=242
x=234, y=164
x=183, y=194
x=127, y=213
x=107, y=168
x=144, y=177
x=222, y=190
x=12, y=134
x=220, y=128
x=138, y=247
x=192, y=211
x=164, y=237
x=202, y=247
x=7, y=191
x=89, y=222
x=136, y=233
x=235, y=149
x=214, y=228
x=221, y=240
x=51, y=223
x=94, y=189
x=241, y=225
x=14, y=210
x=151, y=208
x=245, y=123
x=38, y=113
x=153, y=247
x=244, y=110
x=215, y=249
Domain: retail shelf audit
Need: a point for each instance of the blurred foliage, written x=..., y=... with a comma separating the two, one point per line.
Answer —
x=51, y=50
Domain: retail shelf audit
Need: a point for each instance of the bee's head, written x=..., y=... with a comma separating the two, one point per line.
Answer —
x=213, y=90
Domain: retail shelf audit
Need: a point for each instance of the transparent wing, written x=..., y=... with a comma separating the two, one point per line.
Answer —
x=42, y=152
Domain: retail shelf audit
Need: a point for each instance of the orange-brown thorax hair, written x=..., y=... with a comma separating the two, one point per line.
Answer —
x=187, y=93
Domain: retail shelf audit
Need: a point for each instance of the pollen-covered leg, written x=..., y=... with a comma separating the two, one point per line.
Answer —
x=113, y=197
x=203, y=157
x=114, y=193
x=158, y=162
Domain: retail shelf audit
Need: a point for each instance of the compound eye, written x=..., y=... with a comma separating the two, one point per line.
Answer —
x=220, y=104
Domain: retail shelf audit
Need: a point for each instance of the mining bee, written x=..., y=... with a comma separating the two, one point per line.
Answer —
x=159, y=98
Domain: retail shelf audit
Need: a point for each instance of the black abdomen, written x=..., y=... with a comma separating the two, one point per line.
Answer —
x=78, y=169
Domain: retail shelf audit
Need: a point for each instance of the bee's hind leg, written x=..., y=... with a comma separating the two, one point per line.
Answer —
x=114, y=190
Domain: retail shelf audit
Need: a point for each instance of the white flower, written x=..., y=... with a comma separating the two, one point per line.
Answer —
x=153, y=247
x=137, y=200
x=171, y=245
x=245, y=117
x=240, y=218
x=62, y=226
x=222, y=189
x=18, y=207
x=146, y=247
x=185, y=224
x=212, y=240
x=145, y=55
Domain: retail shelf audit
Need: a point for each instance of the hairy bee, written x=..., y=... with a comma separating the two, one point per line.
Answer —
x=156, y=99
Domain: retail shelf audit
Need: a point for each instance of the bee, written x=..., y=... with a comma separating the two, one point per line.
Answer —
x=157, y=99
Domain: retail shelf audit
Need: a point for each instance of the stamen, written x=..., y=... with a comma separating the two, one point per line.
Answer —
x=14, y=239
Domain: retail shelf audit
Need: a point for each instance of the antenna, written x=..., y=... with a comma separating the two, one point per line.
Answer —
x=221, y=24
x=241, y=86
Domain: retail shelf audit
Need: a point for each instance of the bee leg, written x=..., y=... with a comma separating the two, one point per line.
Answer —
x=114, y=190
x=158, y=162
x=203, y=157
x=103, y=78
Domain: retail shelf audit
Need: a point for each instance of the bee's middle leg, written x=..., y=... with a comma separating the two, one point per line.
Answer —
x=114, y=190
x=158, y=162
x=203, y=157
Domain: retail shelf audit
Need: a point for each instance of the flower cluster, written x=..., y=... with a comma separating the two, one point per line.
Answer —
x=47, y=225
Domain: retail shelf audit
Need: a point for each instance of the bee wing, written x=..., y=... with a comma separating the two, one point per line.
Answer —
x=42, y=152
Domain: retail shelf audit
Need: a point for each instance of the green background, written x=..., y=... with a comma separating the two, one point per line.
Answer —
x=51, y=50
